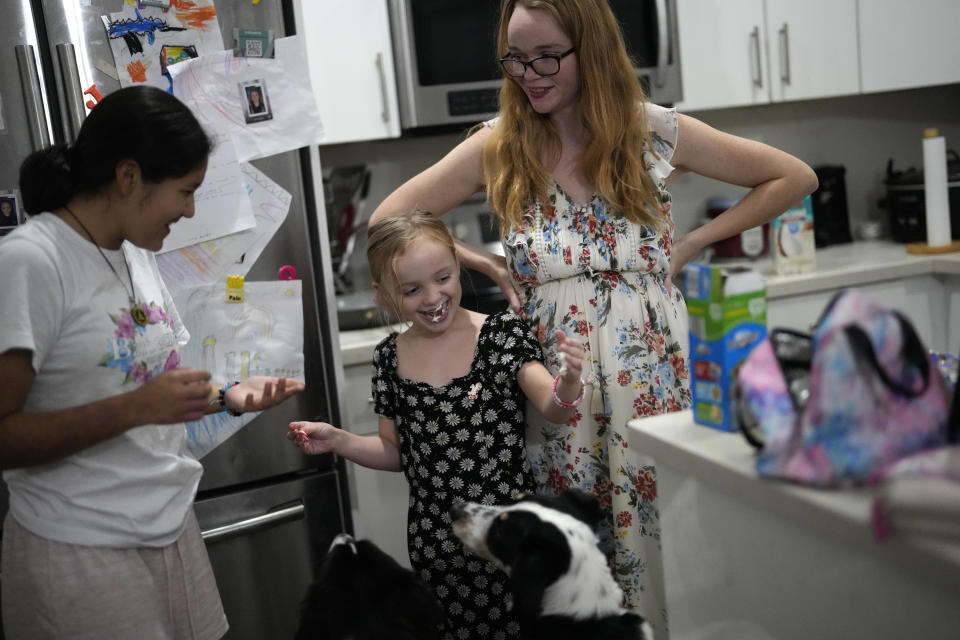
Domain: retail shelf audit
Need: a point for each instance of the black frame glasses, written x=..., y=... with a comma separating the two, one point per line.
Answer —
x=508, y=63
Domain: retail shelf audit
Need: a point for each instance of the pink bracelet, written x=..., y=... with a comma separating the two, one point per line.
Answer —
x=564, y=403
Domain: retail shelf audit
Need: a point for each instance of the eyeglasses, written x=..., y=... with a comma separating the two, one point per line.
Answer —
x=545, y=65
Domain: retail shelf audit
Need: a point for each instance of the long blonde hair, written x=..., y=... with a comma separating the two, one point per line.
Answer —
x=613, y=116
x=389, y=238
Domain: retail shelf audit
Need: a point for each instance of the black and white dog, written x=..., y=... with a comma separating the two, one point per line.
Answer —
x=562, y=585
x=361, y=593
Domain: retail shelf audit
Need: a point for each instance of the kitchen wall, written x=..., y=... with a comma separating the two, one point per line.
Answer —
x=860, y=132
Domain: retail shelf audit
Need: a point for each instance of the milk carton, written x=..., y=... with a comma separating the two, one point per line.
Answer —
x=727, y=308
x=792, y=239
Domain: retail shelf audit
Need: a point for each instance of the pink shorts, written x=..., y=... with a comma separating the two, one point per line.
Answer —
x=55, y=590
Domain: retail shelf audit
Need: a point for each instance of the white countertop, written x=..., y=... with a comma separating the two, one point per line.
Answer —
x=838, y=266
x=725, y=461
x=853, y=264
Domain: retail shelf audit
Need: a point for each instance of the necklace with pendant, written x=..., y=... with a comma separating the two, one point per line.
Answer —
x=136, y=311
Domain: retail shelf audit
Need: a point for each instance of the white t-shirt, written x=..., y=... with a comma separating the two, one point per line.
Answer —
x=61, y=301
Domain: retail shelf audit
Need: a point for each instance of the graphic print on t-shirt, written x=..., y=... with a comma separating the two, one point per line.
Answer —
x=142, y=351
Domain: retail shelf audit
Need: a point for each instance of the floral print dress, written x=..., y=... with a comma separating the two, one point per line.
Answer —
x=584, y=269
x=463, y=440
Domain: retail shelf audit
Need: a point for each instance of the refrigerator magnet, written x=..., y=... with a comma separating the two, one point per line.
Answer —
x=9, y=212
x=172, y=54
x=253, y=43
x=256, y=104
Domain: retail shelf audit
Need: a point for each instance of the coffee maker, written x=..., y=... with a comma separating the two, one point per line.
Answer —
x=831, y=219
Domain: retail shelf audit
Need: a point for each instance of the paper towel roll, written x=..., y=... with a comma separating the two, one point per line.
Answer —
x=935, y=188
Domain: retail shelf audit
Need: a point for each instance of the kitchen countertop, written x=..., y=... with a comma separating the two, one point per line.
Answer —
x=838, y=266
x=725, y=460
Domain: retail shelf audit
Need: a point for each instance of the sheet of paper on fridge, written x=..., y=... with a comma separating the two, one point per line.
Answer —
x=222, y=204
x=212, y=261
x=263, y=335
x=217, y=87
x=146, y=42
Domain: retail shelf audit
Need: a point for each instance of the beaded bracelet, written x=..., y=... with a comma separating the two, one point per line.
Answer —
x=223, y=399
x=564, y=403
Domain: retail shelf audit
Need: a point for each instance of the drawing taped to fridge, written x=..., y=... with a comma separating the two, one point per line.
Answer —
x=263, y=335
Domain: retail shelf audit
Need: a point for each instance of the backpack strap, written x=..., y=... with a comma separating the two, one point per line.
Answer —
x=912, y=352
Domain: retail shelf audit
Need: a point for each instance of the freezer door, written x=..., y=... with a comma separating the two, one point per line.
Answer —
x=24, y=125
x=78, y=56
x=265, y=544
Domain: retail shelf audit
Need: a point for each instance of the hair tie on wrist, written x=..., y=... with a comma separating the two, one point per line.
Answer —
x=223, y=399
x=564, y=403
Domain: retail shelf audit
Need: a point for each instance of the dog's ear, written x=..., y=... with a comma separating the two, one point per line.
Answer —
x=583, y=506
x=536, y=553
x=507, y=533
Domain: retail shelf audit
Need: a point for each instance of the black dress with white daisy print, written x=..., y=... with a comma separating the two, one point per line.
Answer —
x=463, y=440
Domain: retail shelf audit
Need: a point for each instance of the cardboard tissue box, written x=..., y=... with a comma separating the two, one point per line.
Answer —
x=727, y=309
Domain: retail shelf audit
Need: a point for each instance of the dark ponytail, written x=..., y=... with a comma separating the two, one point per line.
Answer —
x=144, y=124
x=46, y=181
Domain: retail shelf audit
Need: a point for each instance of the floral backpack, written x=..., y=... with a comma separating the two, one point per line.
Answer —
x=840, y=405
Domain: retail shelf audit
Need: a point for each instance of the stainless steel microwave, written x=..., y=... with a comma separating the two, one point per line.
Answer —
x=444, y=52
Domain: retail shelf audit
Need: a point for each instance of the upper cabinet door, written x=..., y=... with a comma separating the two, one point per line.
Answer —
x=351, y=68
x=722, y=53
x=909, y=44
x=813, y=48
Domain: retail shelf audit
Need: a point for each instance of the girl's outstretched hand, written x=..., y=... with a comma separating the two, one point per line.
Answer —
x=314, y=437
x=571, y=354
x=257, y=393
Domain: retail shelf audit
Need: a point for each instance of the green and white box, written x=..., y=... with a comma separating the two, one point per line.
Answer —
x=727, y=308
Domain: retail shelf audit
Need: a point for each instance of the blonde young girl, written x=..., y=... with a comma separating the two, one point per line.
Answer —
x=450, y=395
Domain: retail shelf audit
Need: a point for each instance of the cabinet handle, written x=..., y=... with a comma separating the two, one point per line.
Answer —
x=32, y=97
x=385, y=114
x=784, y=54
x=76, y=111
x=663, y=42
x=757, y=68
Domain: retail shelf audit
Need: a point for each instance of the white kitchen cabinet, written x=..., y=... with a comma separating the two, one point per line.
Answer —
x=908, y=44
x=747, y=52
x=350, y=57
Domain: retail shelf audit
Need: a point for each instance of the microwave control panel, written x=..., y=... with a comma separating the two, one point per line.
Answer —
x=472, y=102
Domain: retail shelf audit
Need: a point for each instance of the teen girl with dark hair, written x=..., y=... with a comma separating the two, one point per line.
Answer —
x=101, y=540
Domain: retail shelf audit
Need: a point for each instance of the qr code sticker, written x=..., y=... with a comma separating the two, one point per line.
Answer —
x=254, y=48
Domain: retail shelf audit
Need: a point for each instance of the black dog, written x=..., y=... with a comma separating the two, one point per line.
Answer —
x=361, y=593
x=562, y=586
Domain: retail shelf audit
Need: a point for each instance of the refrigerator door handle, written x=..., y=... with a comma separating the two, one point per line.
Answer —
x=32, y=98
x=73, y=94
x=293, y=512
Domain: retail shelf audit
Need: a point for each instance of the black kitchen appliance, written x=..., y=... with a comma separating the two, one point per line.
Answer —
x=831, y=218
x=905, y=203
x=446, y=58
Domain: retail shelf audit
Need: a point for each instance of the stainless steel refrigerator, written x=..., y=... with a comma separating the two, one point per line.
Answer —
x=268, y=512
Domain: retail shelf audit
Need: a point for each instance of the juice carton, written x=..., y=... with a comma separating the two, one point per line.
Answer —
x=727, y=308
x=792, y=239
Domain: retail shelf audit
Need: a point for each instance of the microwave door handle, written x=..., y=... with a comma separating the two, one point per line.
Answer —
x=72, y=93
x=32, y=97
x=286, y=514
x=663, y=43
